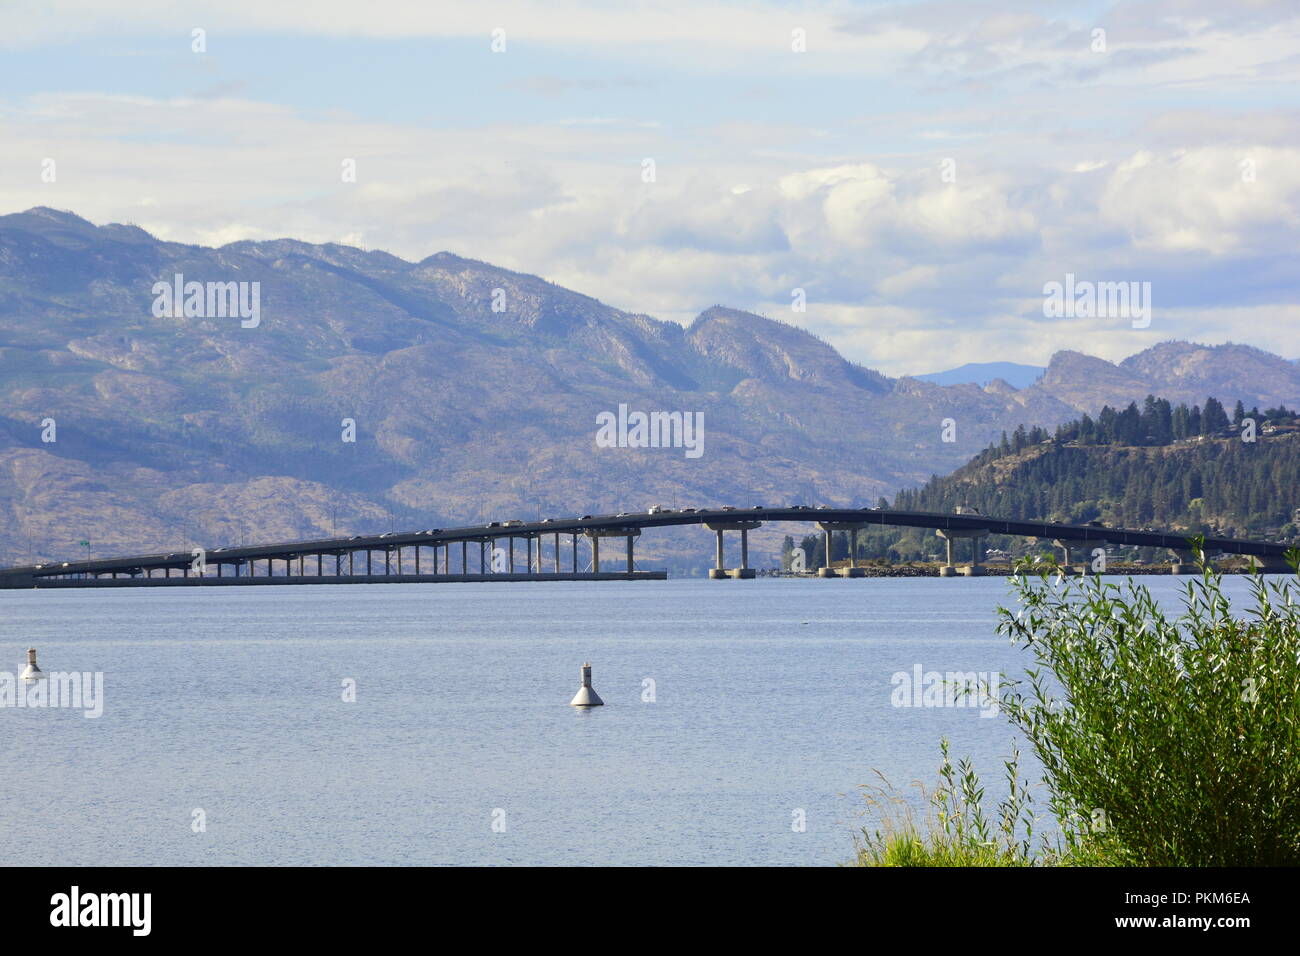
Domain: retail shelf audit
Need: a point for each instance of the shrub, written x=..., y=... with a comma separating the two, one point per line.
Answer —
x=1164, y=741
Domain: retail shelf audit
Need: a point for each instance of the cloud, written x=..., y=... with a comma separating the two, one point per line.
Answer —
x=774, y=171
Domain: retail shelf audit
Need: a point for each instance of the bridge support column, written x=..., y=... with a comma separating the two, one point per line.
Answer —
x=826, y=571
x=950, y=534
x=718, y=571
x=575, y=554
x=948, y=570
x=1184, y=561
x=596, y=534
x=851, y=570
x=464, y=557
x=530, y=553
x=1067, y=566
x=557, y=552
x=512, y=554
x=744, y=572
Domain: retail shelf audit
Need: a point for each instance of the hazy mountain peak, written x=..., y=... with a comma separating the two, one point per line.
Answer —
x=1013, y=374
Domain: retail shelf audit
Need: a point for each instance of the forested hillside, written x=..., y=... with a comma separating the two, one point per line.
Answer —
x=1195, y=468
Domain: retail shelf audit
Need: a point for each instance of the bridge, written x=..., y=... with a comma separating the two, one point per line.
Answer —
x=396, y=557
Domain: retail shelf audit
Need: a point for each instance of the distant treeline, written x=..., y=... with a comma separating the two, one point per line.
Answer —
x=1157, y=422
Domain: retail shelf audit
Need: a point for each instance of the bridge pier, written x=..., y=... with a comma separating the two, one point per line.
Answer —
x=1270, y=565
x=1067, y=567
x=744, y=572
x=1184, y=561
x=851, y=528
x=595, y=534
x=949, y=535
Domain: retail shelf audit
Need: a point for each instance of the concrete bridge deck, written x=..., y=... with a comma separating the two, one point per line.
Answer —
x=400, y=553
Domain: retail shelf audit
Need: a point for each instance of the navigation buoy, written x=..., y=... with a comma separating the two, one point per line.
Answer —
x=32, y=672
x=586, y=697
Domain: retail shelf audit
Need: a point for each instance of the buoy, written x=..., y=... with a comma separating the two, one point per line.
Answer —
x=586, y=697
x=32, y=672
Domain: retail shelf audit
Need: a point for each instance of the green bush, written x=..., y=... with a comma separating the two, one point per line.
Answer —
x=1165, y=741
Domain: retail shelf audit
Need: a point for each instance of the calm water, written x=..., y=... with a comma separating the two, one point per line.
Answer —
x=772, y=696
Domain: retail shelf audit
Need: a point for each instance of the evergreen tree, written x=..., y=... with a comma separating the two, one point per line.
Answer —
x=1213, y=418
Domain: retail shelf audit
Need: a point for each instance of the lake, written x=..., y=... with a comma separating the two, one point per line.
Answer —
x=771, y=704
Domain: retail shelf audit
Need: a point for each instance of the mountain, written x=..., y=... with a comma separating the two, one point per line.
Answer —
x=1178, y=371
x=982, y=373
x=473, y=392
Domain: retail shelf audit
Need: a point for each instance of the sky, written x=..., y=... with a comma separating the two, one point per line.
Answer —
x=902, y=179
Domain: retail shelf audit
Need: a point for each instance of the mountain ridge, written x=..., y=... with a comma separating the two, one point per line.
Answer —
x=473, y=390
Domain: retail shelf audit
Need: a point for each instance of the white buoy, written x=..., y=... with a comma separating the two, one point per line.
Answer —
x=586, y=697
x=32, y=672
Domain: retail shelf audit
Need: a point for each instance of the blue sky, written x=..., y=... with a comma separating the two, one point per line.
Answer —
x=775, y=169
